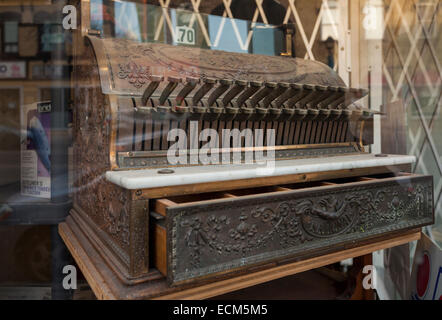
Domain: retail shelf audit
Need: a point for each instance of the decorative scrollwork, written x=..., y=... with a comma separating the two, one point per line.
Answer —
x=137, y=75
x=249, y=230
x=130, y=60
x=243, y=236
x=105, y=203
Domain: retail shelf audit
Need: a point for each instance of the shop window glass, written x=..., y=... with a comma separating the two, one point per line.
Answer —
x=10, y=37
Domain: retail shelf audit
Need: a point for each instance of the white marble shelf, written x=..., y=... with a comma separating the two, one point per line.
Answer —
x=150, y=178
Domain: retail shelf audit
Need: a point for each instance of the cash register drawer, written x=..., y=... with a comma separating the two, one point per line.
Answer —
x=198, y=237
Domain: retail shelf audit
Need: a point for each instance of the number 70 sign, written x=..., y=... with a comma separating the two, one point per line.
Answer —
x=185, y=35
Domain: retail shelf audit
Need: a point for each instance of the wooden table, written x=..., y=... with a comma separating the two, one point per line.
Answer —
x=101, y=279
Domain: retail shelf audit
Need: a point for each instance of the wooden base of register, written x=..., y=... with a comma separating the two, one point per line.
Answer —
x=106, y=285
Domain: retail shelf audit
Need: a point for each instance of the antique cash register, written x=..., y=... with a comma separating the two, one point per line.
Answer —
x=194, y=166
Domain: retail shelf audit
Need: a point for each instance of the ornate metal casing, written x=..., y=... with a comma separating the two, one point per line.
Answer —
x=154, y=88
x=225, y=235
x=128, y=96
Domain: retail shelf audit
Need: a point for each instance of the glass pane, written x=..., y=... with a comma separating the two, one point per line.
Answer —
x=11, y=32
x=401, y=55
x=72, y=116
x=149, y=23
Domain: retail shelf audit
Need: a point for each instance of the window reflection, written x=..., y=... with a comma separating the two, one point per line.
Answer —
x=184, y=27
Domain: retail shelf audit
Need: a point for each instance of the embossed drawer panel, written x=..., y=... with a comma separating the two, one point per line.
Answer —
x=225, y=232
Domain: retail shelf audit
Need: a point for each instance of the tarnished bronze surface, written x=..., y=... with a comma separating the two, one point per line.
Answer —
x=106, y=203
x=127, y=97
x=143, y=159
x=125, y=66
x=152, y=88
x=109, y=208
x=210, y=238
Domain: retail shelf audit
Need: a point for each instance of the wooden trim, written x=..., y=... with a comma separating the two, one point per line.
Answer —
x=262, y=182
x=159, y=249
x=278, y=188
x=370, y=179
x=161, y=205
x=229, y=195
x=326, y=183
x=89, y=270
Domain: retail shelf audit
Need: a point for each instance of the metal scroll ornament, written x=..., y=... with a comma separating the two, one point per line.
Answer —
x=212, y=238
x=106, y=204
x=137, y=75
